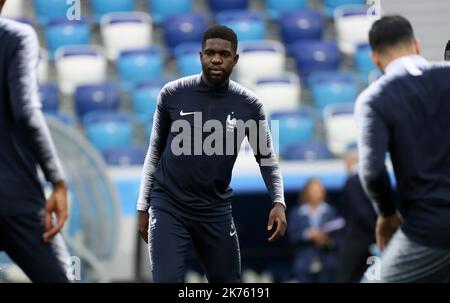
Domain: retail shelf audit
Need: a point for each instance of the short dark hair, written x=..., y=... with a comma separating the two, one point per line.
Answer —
x=389, y=31
x=221, y=32
x=447, y=51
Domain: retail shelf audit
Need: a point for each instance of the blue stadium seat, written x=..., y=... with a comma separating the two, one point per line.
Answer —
x=331, y=87
x=50, y=9
x=49, y=95
x=144, y=98
x=93, y=97
x=124, y=156
x=106, y=129
x=62, y=32
x=313, y=56
x=187, y=58
x=139, y=65
x=276, y=7
x=221, y=5
x=309, y=151
x=184, y=28
x=102, y=7
x=363, y=62
x=294, y=127
x=161, y=9
x=330, y=5
x=248, y=25
x=301, y=25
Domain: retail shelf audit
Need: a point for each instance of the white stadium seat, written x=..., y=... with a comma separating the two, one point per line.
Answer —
x=76, y=65
x=259, y=58
x=352, y=27
x=340, y=127
x=125, y=30
x=278, y=92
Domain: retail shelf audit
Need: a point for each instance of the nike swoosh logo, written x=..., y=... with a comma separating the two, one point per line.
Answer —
x=232, y=233
x=185, y=114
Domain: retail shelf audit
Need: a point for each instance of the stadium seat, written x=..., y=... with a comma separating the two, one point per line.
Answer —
x=103, y=7
x=331, y=87
x=309, y=151
x=276, y=7
x=311, y=56
x=92, y=97
x=331, y=5
x=363, y=62
x=294, y=127
x=161, y=9
x=62, y=32
x=49, y=95
x=217, y=6
x=106, y=129
x=139, y=65
x=184, y=28
x=248, y=25
x=77, y=65
x=122, y=31
x=352, y=27
x=42, y=68
x=124, y=156
x=340, y=127
x=281, y=92
x=301, y=25
x=49, y=9
x=187, y=58
x=14, y=9
x=144, y=98
x=254, y=54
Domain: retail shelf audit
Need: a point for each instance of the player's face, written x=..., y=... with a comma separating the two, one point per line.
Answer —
x=316, y=193
x=218, y=60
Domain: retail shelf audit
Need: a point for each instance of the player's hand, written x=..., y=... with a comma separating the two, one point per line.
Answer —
x=56, y=203
x=319, y=237
x=277, y=214
x=385, y=229
x=143, y=218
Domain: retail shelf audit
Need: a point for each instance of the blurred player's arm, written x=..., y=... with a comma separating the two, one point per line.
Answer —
x=158, y=139
x=26, y=109
x=271, y=173
x=373, y=139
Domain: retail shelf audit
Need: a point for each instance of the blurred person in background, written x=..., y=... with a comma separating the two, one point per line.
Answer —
x=26, y=225
x=360, y=218
x=313, y=230
x=406, y=113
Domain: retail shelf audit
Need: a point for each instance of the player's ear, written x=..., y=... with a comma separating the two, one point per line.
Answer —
x=236, y=59
x=417, y=46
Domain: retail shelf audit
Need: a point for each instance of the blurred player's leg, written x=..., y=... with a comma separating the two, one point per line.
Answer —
x=217, y=245
x=168, y=256
x=22, y=241
x=405, y=261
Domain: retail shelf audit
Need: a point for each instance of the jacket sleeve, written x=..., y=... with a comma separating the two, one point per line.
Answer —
x=158, y=140
x=26, y=105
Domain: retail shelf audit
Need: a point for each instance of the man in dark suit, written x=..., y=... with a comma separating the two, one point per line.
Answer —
x=360, y=220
